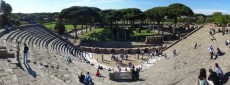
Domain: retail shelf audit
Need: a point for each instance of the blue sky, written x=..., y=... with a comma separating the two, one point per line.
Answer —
x=198, y=6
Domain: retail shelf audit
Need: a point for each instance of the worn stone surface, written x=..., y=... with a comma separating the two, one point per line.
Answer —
x=49, y=70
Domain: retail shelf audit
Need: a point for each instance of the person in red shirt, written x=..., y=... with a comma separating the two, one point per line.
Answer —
x=98, y=73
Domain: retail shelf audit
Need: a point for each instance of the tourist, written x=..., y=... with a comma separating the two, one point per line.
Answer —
x=88, y=80
x=81, y=77
x=174, y=52
x=137, y=73
x=214, y=31
x=113, y=57
x=151, y=54
x=165, y=56
x=219, y=30
x=18, y=51
x=218, y=71
x=109, y=69
x=211, y=50
x=126, y=55
x=219, y=53
x=100, y=67
x=226, y=43
x=155, y=53
x=210, y=32
x=102, y=58
x=142, y=53
x=226, y=31
x=98, y=73
x=213, y=77
x=26, y=49
x=138, y=53
x=122, y=56
x=68, y=58
x=130, y=64
x=195, y=45
x=133, y=73
x=119, y=68
x=202, y=78
x=223, y=33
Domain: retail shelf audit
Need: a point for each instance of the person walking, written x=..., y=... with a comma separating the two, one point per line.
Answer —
x=195, y=45
x=174, y=52
x=26, y=49
x=102, y=58
x=211, y=51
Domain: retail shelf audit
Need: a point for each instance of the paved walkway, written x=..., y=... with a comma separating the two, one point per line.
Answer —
x=145, y=65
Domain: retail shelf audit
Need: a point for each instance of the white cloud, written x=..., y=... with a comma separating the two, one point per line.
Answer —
x=210, y=11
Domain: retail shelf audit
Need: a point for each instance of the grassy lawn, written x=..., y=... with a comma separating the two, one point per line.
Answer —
x=93, y=34
x=69, y=27
x=143, y=33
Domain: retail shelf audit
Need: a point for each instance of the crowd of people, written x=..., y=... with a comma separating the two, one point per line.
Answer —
x=214, y=78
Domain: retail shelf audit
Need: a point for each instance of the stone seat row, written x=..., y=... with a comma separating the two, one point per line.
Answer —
x=38, y=37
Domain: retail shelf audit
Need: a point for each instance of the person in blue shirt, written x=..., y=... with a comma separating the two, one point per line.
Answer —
x=87, y=80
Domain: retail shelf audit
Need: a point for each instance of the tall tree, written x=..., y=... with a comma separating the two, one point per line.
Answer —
x=219, y=18
x=78, y=15
x=199, y=18
x=60, y=27
x=71, y=15
x=158, y=14
x=5, y=11
x=130, y=15
x=178, y=10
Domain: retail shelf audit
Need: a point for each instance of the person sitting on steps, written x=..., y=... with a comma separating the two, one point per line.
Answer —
x=98, y=73
x=81, y=77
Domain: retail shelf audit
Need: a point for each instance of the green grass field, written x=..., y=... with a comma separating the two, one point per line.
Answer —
x=68, y=27
x=90, y=34
x=143, y=33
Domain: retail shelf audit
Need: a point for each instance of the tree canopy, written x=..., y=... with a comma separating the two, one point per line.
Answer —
x=6, y=11
x=157, y=13
x=219, y=18
x=79, y=15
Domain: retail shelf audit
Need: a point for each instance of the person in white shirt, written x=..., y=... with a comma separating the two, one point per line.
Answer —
x=211, y=50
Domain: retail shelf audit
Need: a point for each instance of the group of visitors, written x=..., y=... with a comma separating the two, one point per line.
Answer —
x=135, y=73
x=123, y=56
x=155, y=53
x=214, y=55
x=224, y=31
x=214, y=78
x=212, y=32
x=116, y=59
x=85, y=79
